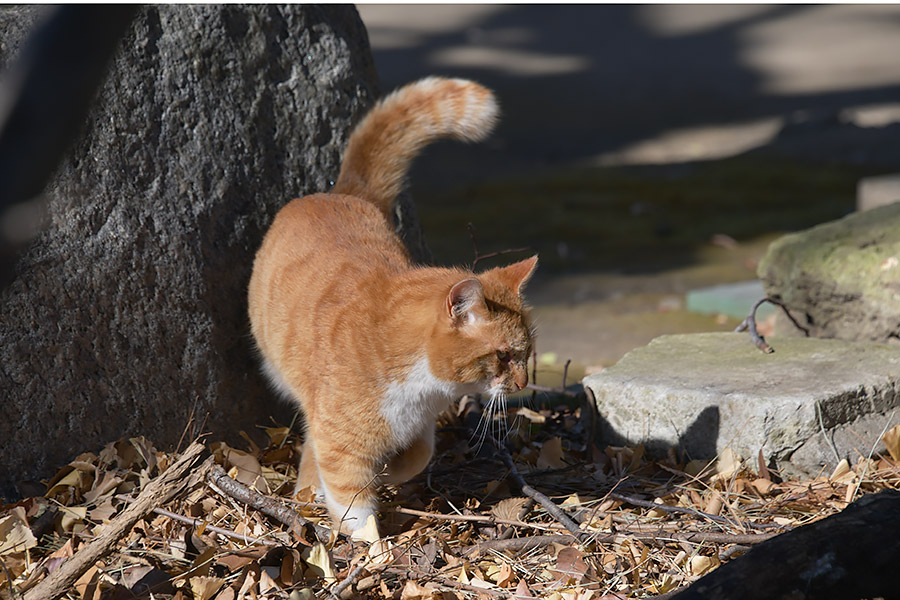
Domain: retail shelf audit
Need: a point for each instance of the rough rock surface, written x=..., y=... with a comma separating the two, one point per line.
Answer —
x=842, y=277
x=705, y=392
x=128, y=313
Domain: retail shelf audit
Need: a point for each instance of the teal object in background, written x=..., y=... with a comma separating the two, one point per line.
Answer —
x=731, y=299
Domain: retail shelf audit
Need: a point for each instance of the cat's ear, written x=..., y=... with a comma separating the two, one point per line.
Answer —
x=516, y=275
x=465, y=301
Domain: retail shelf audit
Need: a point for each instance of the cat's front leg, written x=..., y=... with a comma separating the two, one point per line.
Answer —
x=411, y=461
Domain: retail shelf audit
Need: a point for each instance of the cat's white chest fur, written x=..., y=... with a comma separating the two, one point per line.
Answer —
x=412, y=405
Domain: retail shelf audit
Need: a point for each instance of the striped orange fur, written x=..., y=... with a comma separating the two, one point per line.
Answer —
x=370, y=346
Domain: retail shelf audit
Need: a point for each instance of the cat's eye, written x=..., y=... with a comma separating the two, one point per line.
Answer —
x=503, y=355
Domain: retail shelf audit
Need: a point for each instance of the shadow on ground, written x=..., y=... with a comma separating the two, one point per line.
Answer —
x=646, y=150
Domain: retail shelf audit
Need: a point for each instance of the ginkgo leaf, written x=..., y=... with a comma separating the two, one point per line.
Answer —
x=534, y=417
x=414, y=591
x=551, y=455
x=700, y=565
x=73, y=478
x=319, y=561
x=277, y=435
x=72, y=515
x=204, y=588
x=522, y=590
x=842, y=469
x=570, y=565
x=266, y=582
x=15, y=535
x=729, y=463
x=572, y=500
x=505, y=576
x=380, y=552
x=508, y=508
x=87, y=585
x=891, y=441
x=368, y=532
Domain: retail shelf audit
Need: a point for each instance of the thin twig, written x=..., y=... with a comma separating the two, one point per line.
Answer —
x=479, y=256
x=834, y=450
x=525, y=544
x=555, y=511
x=197, y=522
x=12, y=588
x=749, y=324
x=862, y=475
x=566, y=372
x=467, y=518
x=692, y=511
x=489, y=591
x=348, y=581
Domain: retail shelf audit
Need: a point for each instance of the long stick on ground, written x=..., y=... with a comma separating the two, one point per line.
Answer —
x=524, y=544
x=157, y=492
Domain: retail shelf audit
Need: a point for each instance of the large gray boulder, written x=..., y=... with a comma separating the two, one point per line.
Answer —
x=128, y=313
x=842, y=279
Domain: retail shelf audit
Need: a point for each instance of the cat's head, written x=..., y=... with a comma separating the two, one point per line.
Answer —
x=485, y=336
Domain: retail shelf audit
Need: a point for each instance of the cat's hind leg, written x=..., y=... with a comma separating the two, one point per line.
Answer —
x=308, y=472
x=411, y=461
x=347, y=480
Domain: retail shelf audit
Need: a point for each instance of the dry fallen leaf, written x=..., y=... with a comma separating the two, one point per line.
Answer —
x=369, y=532
x=551, y=456
x=204, y=588
x=88, y=584
x=891, y=441
x=319, y=561
x=522, y=590
x=841, y=471
x=72, y=515
x=570, y=565
x=508, y=508
x=729, y=463
x=15, y=535
x=533, y=416
x=700, y=565
x=414, y=591
x=763, y=486
x=505, y=576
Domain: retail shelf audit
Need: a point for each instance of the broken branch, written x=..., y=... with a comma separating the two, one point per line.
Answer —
x=269, y=507
x=525, y=544
x=749, y=324
x=555, y=511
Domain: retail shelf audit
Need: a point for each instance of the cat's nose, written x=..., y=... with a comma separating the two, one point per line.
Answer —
x=521, y=379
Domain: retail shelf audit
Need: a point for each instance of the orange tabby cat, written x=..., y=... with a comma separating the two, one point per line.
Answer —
x=371, y=346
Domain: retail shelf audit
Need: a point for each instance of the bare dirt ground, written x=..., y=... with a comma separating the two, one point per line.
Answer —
x=646, y=130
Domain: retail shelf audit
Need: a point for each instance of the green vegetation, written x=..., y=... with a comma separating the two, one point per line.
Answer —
x=633, y=219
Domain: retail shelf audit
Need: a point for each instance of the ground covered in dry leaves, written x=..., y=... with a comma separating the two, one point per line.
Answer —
x=466, y=528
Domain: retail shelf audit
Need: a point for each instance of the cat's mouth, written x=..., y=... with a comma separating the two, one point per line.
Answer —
x=500, y=386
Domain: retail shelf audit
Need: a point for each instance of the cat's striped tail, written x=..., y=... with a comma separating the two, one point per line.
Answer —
x=385, y=142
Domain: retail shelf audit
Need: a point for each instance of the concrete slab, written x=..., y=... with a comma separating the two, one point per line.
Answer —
x=805, y=406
